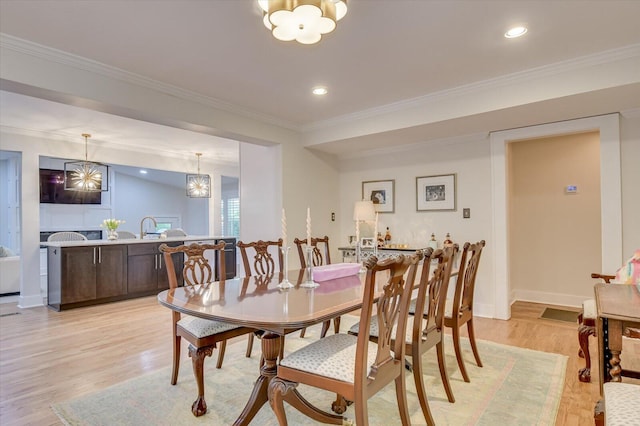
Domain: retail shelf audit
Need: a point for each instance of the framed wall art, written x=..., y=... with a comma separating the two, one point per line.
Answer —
x=367, y=242
x=382, y=193
x=436, y=193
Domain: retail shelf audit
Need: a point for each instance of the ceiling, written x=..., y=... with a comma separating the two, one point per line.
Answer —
x=382, y=53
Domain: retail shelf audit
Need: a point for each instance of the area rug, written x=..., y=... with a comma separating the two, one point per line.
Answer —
x=515, y=387
x=560, y=315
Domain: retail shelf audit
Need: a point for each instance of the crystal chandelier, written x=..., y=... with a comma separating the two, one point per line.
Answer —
x=86, y=176
x=198, y=186
x=302, y=20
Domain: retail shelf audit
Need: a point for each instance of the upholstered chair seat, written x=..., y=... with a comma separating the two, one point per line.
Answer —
x=330, y=357
x=202, y=328
x=589, y=309
x=622, y=404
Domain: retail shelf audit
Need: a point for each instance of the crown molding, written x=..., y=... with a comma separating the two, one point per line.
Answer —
x=522, y=77
x=58, y=56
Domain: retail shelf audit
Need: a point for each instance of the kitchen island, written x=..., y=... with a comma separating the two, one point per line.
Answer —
x=91, y=272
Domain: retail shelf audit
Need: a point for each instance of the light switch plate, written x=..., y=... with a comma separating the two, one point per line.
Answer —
x=466, y=213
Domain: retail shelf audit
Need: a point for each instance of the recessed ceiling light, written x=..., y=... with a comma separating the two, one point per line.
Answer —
x=516, y=32
x=142, y=171
x=319, y=91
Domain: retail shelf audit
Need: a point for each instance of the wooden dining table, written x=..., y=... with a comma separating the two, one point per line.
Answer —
x=618, y=309
x=257, y=302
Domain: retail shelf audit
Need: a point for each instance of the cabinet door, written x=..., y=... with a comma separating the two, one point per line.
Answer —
x=78, y=272
x=111, y=271
x=178, y=264
x=142, y=273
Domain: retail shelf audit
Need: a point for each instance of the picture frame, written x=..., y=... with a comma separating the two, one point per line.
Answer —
x=367, y=242
x=436, y=193
x=382, y=193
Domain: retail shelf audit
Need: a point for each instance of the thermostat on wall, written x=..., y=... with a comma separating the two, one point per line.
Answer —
x=571, y=189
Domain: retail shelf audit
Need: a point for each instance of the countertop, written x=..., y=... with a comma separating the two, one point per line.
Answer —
x=91, y=243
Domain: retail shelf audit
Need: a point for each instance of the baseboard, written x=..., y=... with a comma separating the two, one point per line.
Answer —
x=569, y=300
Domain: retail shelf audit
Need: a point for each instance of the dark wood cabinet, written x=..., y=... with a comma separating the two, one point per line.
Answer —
x=147, y=272
x=82, y=275
x=229, y=258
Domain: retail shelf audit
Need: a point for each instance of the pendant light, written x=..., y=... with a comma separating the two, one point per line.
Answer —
x=198, y=186
x=86, y=176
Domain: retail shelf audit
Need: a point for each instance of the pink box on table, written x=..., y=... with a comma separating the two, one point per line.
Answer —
x=335, y=270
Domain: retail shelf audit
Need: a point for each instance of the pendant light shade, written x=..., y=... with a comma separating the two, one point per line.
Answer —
x=198, y=186
x=86, y=176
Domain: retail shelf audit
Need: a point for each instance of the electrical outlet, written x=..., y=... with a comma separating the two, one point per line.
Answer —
x=333, y=217
x=466, y=213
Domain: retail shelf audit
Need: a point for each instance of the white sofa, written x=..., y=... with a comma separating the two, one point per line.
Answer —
x=9, y=274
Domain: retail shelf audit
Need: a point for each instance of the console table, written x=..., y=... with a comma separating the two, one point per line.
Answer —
x=383, y=252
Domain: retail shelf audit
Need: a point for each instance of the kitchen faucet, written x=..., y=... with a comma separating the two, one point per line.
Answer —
x=142, y=233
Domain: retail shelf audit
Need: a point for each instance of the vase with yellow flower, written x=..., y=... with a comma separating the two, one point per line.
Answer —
x=111, y=226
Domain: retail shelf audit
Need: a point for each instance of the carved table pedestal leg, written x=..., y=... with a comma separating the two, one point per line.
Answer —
x=270, y=349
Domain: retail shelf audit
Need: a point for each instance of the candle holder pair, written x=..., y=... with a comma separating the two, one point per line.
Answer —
x=309, y=283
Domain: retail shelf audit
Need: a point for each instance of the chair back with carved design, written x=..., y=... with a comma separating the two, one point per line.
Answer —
x=320, y=253
x=465, y=283
x=196, y=269
x=441, y=263
x=262, y=262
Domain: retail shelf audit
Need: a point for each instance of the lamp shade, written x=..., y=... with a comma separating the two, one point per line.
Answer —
x=364, y=210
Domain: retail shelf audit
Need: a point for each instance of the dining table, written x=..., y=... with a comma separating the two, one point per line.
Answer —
x=261, y=303
x=618, y=311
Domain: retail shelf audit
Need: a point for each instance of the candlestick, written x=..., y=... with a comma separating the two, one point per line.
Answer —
x=285, y=282
x=308, y=226
x=284, y=229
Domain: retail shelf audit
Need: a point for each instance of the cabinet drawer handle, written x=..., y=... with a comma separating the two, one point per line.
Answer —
x=99, y=254
x=160, y=261
x=94, y=255
x=155, y=258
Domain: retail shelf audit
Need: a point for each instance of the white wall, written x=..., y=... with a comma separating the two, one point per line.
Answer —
x=468, y=158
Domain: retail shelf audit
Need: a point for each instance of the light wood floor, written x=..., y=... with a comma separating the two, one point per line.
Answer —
x=48, y=356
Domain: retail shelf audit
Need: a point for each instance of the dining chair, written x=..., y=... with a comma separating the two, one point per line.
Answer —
x=126, y=235
x=319, y=258
x=66, y=236
x=262, y=263
x=423, y=335
x=352, y=366
x=203, y=335
x=460, y=311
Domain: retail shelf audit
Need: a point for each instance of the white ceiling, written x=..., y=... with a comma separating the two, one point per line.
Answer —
x=382, y=53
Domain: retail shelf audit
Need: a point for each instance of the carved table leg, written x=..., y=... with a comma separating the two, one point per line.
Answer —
x=615, y=346
x=259, y=396
x=584, y=331
x=199, y=406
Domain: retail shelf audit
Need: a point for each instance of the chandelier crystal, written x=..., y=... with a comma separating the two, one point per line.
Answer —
x=198, y=186
x=86, y=176
x=302, y=20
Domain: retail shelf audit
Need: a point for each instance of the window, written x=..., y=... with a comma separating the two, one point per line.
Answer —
x=230, y=207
